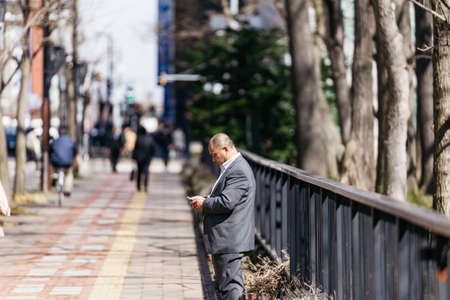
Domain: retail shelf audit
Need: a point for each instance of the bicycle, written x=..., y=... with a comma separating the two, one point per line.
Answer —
x=60, y=186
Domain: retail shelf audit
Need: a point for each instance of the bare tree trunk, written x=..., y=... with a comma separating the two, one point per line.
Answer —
x=21, y=157
x=71, y=119
x=4, y=170
x=334, y=40
x=391, y=44
x=86, y=102
x=404, y=24
x=358, y=164
x=74, y=80
x=383, y=98
x=70, y=98
x=71, y=73
x=441, y=93
x=424, y=74
x=314, y=128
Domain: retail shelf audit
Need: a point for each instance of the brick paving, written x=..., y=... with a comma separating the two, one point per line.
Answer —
x=106, y=242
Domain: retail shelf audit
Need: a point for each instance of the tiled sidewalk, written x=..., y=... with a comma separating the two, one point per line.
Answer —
x=107, y=242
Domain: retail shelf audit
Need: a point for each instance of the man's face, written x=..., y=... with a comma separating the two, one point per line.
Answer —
x=218, y=155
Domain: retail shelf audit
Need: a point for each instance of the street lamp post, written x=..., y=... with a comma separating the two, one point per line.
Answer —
x=54, y=57
x=45, y=110
x=109, y=79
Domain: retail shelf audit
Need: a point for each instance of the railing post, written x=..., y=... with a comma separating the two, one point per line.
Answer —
x=444, y=278
x=263, y=197
x=279, y=179
x=328, y=242
x=267, y=213
x=315, y=231
x=368, y=253
x=362, y=242
x=257, y=173
x=284, y=213
x=441, y=266
x=414, y=253
x=385, y=245
x=273, y=208
x=303, y=231
x=344, y=249
x=358, y=289
x=292, y=217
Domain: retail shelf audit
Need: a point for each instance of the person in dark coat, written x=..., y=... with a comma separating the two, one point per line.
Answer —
x=163, y=138
x=143, y=153
x=63, y=151
x=115, y=144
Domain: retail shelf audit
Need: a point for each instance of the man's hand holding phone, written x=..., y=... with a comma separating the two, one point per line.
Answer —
x=196, y=202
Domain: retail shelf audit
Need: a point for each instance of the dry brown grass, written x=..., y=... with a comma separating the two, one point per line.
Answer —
x=18, y=210
x=30, y=198
x=268, y=279
x=265, y=277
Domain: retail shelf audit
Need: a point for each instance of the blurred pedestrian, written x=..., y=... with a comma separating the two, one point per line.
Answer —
x=164, y=140
x=115, y=144
x=179, y=142
x=63, y=153
x=130, y=142
x=33, y=145
x=143, y=153
x=130, y=139
x=4, y=207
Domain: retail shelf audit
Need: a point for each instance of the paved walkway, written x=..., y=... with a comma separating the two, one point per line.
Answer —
x=106, y=242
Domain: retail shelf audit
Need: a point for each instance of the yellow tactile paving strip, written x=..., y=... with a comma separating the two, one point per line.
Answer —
x=107, y=242
x=109, y=282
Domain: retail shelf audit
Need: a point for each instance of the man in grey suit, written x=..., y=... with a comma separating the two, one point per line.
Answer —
x=229, y=217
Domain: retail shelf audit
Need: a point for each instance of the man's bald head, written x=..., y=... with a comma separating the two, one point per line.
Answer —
x=221, y=148
x=221, y=140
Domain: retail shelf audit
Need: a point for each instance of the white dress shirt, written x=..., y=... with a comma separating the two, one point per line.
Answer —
x=223, y=167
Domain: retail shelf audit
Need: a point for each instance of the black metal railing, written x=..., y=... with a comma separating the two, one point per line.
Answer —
x=350, y=243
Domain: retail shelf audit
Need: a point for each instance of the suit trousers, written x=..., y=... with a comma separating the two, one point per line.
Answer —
x=228, y=270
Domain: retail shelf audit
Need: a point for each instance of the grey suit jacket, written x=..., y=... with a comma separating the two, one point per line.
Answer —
x=229, y=215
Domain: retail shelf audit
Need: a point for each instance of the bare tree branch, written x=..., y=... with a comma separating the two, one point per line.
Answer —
x=430, y=10
x=279, y=5
x=4, y=84
x=446, y=3
x=36, y=19
x=426, y=49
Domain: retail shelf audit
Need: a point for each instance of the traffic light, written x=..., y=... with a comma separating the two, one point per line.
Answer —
x=163, y=78
x=130, y=98
x=129, y=95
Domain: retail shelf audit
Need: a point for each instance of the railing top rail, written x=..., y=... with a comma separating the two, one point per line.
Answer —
x=415, y=214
